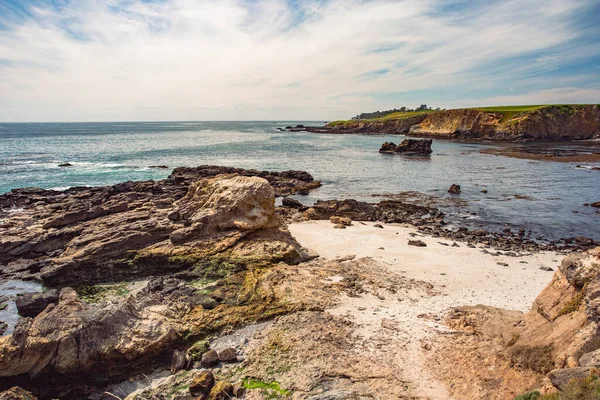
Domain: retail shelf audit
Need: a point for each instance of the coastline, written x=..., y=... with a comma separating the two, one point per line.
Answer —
x=155, y=284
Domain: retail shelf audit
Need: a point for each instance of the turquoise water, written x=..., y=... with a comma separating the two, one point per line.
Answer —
x=349, y=166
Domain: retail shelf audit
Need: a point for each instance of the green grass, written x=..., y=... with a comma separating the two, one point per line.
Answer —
x=396, y=115
x=272, y=390
x=509, y=112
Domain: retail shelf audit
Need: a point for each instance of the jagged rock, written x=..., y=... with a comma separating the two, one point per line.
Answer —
x=202, y=383
x=591, y=359
x=549, y=269
x=595, y=204
x=228, y=355
x=289, y=202
x=408, y=147
x=31, y=304
x=65, y=165
x=388, y=211
x=561, y=377
x=71, y=336
x=454, y=189
x=284, y=183
x=210, y=358
x=417, y=243
x=339, y=226
x=3, y=327
x=223, y=390
x=16, y=393
x=159, y=166
x=179, y=361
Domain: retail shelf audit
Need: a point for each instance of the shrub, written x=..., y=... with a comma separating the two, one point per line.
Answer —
x=535, y=395
x=536, y=358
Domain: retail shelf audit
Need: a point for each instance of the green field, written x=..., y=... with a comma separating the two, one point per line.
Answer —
x=396, y=115
x=510, y=111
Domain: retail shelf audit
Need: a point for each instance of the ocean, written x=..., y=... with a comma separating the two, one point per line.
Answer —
x=546, y=197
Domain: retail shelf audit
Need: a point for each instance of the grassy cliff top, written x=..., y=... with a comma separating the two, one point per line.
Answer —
x=508, y=112
x=396, y=115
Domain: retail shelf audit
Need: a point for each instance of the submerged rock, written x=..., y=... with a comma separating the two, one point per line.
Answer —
x=454, y=189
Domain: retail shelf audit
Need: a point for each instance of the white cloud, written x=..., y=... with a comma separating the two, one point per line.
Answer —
x=185, y=59
x=562, y=95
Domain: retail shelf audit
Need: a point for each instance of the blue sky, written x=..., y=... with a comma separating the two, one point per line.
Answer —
x=88, y=60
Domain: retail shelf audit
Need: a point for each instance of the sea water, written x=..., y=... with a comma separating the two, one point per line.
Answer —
x=546, y=197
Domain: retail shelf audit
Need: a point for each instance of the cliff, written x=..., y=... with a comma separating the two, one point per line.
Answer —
x=553, y=122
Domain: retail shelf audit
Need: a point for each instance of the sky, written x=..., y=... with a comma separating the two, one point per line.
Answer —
x=131, y=60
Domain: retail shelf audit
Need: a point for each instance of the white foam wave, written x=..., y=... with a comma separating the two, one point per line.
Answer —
x=14, y=210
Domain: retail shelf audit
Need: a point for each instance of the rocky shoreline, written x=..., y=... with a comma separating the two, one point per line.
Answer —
x=550, y=123
x=143, y=276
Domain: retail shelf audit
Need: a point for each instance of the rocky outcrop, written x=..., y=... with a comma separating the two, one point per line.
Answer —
x=408, y=147
x=211, y=251
x=389, y=211
x=558, y=338
x=31, y=304
x=284, y=183
x=560, y=122
x=139, y=228
x=569, y=122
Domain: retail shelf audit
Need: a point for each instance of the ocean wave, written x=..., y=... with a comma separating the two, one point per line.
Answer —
x=589, y=167
x=14, y=210
x=60, y=188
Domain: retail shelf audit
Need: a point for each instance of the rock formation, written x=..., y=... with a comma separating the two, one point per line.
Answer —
x=558, y=339
x=559, y=122
x=138, y=228
x=221, y=228
x=389, y=211
x=408, y=147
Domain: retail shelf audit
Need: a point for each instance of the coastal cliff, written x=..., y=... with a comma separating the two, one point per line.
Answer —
x=554, y=122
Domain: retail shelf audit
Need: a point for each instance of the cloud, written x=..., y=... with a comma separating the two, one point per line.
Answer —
x=274, y=59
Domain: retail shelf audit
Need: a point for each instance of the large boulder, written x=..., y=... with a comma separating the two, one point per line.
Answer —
x=245, y=203
x=31, y=304
x=74, y=336
x=408, y=147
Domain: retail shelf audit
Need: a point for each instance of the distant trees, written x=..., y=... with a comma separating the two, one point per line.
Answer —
x=403, y=109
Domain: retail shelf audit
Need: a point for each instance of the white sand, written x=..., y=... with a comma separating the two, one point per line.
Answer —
x=461, y=276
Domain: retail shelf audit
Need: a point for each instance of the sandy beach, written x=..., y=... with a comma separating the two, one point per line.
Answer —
x=407, y=322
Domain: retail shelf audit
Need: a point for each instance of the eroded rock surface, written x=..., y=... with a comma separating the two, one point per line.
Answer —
x=142, y=228
x=548, y=346
x=212, y=248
